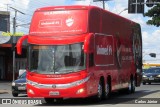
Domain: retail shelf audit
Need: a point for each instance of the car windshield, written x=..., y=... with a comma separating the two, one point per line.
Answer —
x=57, y=59
x=153, y=70
x=23, y=75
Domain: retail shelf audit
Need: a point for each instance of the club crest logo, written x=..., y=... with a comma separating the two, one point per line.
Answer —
x=69, y=22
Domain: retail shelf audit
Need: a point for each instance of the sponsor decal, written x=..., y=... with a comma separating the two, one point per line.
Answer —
x=56, y=12
x=50, y=23
x=53, y=76
x=104, y=50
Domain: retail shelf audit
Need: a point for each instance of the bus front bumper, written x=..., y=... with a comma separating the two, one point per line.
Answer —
x=77, y=89
x=74, y=92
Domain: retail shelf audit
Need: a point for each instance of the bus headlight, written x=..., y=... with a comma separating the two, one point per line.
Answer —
x=30, y=91
x=80, y=91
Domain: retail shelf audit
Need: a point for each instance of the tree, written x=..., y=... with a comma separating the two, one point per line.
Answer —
x=154, y=13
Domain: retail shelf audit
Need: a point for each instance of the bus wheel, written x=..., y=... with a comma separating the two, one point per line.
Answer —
x=100, y=91
x=15, y=94
x=53, y=100
x=144, y=83
x=49, y=100
x=106, y=92
x=131, y=88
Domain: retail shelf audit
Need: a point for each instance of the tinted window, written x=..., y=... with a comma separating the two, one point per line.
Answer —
x=153, y=70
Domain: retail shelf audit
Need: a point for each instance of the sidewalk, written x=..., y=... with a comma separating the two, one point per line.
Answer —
x=2, y=91
x=5, y=87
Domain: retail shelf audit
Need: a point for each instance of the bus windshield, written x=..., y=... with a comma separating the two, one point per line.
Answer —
x=57, y=59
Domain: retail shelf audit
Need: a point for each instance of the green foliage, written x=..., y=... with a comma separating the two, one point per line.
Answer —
x=154, y=13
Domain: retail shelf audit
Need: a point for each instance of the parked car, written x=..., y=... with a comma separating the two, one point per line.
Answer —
x=19, y=85
x=151, y=75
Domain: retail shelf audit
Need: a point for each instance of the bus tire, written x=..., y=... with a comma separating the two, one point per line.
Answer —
x=15, y=94
x=99, y=95
x=106, y=91
x=144, y=83
x=53, y=100
x=49, y=100
x=131, y=88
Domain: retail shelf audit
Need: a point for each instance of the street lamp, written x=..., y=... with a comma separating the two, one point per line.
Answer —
x=123, y=11
x=103, y=2
x=150, y=54
x=153, y=55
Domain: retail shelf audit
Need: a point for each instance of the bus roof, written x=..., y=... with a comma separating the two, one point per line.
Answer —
x=76, y=7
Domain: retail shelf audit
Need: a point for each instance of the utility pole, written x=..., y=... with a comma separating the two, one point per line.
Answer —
x=123, y=11
x=14, y=39
x=7, y=6
x=103, y=2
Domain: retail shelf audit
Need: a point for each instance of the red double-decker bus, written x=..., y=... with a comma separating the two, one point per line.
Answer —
x=81, y=51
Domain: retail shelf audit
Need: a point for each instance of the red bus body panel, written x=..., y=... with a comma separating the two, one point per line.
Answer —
x=115, y=42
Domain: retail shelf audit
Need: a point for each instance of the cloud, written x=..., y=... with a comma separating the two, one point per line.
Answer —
x=151, y=40
x=22, y=4
x=18, y=4
x=151, y=45
x=4, y=4
x=82, y=2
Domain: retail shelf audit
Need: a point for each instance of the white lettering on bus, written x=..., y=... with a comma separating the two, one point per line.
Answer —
x=56, y=12
x=104, y=51
x=51, y=23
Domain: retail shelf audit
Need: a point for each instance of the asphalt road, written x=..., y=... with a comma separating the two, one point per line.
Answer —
x=118, y=99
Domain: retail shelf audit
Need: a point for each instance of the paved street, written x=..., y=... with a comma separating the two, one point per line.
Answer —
x=5, y=89
x=116, y=100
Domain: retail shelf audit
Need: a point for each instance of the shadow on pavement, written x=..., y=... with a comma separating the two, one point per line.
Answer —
x=116, y=98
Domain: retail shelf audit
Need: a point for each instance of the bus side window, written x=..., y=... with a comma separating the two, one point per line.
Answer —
x=91, y=59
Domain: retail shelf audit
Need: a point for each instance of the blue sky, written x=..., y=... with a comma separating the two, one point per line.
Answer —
x=150, y=34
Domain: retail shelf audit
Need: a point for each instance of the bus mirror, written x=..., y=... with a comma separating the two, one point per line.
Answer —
x=19, y=44
x=87, y=42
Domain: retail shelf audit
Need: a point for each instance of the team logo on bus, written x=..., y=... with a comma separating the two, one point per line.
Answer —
x=54, y=86
x=119, y=52
x=69, y=22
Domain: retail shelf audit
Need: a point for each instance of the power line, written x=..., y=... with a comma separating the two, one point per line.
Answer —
x=33, y=5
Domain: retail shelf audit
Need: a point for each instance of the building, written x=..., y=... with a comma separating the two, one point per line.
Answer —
x=148, y=65
x=6, y=50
